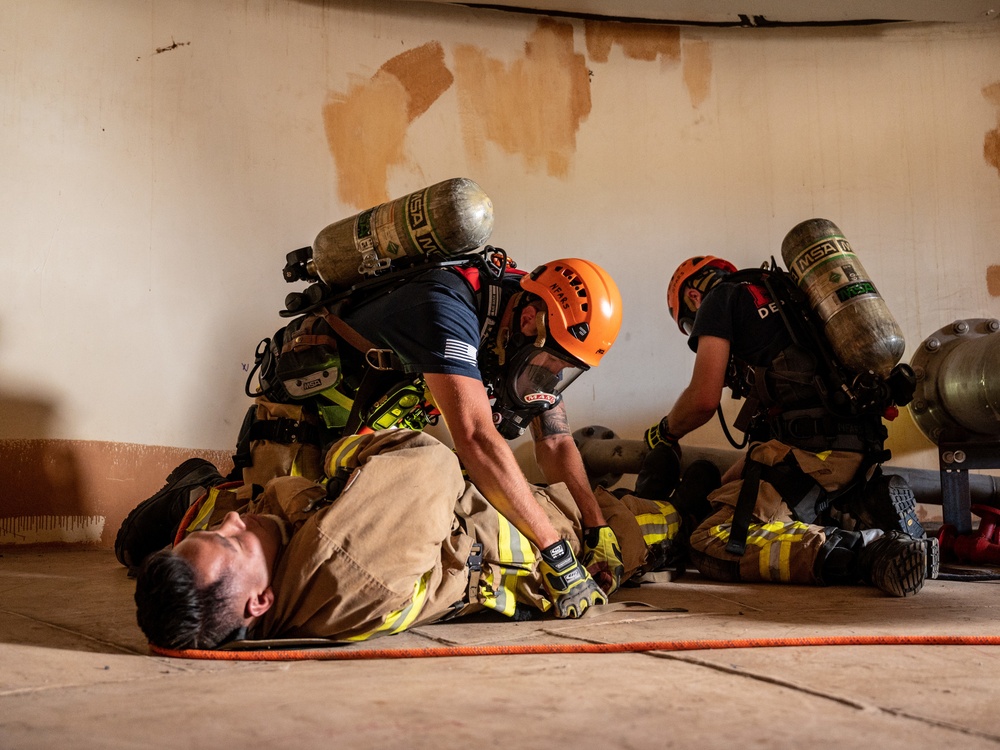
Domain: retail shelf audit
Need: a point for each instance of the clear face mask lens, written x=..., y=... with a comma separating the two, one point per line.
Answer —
x=542, y=377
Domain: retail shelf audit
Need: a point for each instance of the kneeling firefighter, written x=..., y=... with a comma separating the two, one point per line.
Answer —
x=809, y=502
x=444, y=332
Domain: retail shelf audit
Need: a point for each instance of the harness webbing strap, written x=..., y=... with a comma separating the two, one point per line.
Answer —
x=285, y=430
x=744, y=508
x=385, y=358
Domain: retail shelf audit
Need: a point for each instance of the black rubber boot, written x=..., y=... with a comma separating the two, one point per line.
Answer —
x=701, y=478
x=151, y=525
x=895, y=563
x=889, y=504
x=659, y=473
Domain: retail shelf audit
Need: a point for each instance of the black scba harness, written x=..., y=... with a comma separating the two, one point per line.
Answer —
x=805, y=398
x=301, y=363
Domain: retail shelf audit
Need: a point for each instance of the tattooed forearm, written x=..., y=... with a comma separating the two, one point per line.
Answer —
x=549, y=423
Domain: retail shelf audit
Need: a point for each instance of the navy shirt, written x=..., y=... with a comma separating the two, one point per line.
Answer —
x=430, y=322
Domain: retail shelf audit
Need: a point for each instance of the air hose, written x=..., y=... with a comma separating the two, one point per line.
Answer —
x=336, y=653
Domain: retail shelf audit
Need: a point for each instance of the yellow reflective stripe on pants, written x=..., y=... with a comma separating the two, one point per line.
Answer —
x=658, y=527
x=401, y=619
x=516, y=561
x=773, y=544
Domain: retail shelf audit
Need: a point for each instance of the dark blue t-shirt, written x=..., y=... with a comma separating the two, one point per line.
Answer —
x=430, y=322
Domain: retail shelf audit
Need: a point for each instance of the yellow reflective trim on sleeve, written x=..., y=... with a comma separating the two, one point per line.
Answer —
x=401, y=619
x=200, y=522
x=343, y=458
x=824, y=455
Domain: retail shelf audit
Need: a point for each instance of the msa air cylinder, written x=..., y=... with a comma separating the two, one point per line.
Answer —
x=855, y=318
x=446, y=219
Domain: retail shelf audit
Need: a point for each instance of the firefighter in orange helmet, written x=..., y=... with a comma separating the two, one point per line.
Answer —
x=808, y=502
x=496, y=348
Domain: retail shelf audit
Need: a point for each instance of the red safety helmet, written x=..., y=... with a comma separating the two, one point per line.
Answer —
x=702, y=272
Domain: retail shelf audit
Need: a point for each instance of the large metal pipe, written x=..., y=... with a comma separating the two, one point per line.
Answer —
x=607, y=457
x=958, y=387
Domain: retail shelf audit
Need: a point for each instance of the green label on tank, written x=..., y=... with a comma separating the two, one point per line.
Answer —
x=851, y=291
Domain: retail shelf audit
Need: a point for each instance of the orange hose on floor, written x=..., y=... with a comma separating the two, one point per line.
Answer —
x=337, y=653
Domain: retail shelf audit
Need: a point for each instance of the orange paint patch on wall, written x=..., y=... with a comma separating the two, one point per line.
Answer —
x=424, y=75
x=366, y=125
x=991, y=144
x=637, y=41
x=697, y=62
x=993, y=280
x=532, y=107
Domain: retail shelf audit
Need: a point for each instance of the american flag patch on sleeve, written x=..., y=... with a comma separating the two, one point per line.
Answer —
x=459, y=350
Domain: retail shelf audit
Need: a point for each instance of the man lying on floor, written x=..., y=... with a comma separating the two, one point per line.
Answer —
x=394, y=539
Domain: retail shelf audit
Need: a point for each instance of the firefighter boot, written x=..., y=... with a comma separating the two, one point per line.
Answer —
x=888, y=503
x=701, y=478
x=151, y=525
x=896, y=563
x=658, y=474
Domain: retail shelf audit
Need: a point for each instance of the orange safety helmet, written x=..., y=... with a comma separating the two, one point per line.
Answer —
x=693, y=270
x=583, y=304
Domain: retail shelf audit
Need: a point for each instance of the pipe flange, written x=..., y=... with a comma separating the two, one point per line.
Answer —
x=958, y=380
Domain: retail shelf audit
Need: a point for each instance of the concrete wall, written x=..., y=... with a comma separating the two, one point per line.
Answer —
x=159, y=159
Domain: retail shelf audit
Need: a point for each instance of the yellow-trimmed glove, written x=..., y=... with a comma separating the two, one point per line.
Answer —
x=660, y=433
x=602, y=557
x=569, y=584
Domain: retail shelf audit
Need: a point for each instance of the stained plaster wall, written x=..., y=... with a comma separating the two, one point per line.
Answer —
x=159, y=160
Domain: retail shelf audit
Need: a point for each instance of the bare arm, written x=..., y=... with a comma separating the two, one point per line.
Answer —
x=486, y=455
x=698, y=402
x=560, y=461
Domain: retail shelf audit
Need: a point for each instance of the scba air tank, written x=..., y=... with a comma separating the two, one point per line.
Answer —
x=855, y=318
x=446, y=219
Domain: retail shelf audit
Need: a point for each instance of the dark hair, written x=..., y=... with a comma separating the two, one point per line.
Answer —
x=174, y=613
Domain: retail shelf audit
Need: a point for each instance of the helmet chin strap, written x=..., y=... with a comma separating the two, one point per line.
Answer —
x=541, y=328
x=502, y=338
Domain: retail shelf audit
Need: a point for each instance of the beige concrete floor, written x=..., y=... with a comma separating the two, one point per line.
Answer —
x=75, y=672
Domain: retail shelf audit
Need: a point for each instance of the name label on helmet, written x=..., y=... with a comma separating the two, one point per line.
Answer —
x=546, y=397
x=560, y=295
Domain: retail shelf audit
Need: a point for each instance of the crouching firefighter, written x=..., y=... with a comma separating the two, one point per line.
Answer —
x=475, y=341
x=808, y=502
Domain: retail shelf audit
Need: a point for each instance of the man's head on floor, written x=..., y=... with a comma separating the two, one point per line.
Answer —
x=210, y=585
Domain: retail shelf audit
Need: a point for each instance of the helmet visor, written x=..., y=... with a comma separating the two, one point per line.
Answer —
x=539, y=376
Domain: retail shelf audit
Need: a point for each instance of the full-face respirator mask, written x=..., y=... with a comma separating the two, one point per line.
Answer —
x=526, y=375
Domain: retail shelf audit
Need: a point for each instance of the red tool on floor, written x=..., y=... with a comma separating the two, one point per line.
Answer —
x=980, y=546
